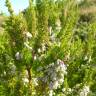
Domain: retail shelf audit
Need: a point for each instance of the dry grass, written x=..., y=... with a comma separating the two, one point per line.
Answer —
x=89, y=10
x=1, y=22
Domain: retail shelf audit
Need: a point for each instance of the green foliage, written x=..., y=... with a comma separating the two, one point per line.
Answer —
x=47, y=36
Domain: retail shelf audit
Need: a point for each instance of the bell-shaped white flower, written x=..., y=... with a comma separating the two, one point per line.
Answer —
x=35, y=57
x=4, y=72
x=39, y=50
x=50, y=30
x=18, y=56
x=28, y=35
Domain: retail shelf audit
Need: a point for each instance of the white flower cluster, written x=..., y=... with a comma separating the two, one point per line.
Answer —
x=54, y=74
x=85, y=91
x=25, y=78
x=88, y=58
x=13, y=69
x=58, y=25
x=52, y=34
x=67, y=91
x=42, y=49
x=53, y=37
x=27, y=46
x=28, y=35
x=25, y=81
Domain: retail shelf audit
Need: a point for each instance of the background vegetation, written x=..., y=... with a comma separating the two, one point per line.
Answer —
x=49, y=49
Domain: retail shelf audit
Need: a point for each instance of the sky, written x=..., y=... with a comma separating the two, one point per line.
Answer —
x=18, y=5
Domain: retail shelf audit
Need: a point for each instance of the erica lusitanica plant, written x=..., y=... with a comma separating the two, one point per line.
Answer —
x=47, y=50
